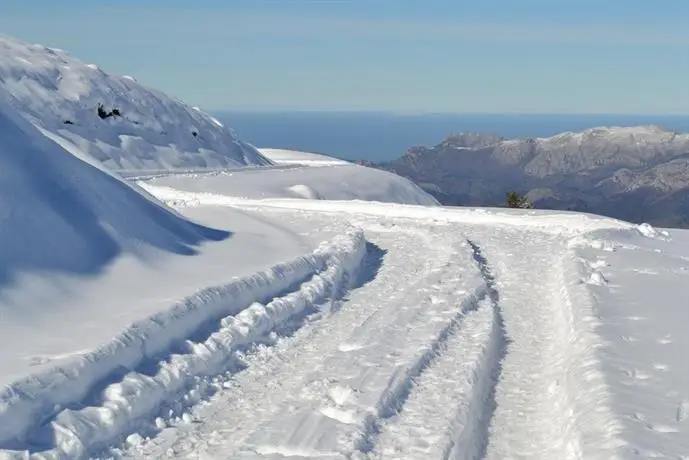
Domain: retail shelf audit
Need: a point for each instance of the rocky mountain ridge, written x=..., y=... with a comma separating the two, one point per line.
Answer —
x=636, y=173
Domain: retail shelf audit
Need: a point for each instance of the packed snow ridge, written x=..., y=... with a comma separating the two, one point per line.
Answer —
x=135, y=128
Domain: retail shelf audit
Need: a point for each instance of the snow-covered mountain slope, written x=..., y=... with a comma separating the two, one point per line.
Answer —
x=295, y=157
x=58, y=213
x=143, y=128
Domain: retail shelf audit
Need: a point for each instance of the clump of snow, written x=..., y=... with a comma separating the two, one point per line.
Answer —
x=647, y=230
x=596, y=279
x=304, y=191
x=149, y=130
x=59, y=213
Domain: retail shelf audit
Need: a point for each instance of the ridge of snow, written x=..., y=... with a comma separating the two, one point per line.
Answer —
x=55, y=395
x=60, y=94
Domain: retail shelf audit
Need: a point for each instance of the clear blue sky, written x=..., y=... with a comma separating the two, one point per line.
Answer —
x=572, y=56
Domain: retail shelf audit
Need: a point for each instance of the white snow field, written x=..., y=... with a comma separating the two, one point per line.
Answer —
x=307, y=308
x=60, y=94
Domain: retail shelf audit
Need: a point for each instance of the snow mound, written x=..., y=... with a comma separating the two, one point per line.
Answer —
x=138, y=127
x=647, y=230
x=304, y=191
x=295, y=157
x=334, y=182
x=75, y=408
x=58, y=213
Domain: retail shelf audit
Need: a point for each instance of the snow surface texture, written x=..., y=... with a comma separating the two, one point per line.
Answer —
x=455, y=333
x=295, y=157
x=59, y=214
x=327, y=182
x=69, y=410
x=478, y=335
x=60, y=94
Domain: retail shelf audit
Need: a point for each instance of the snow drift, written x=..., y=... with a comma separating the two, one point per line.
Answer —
x=85, y=404
x=59, y=213
x=135, y=127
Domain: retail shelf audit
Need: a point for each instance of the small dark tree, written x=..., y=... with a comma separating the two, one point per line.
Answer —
x=116, y=113
x=515, y=200
x=194, y=133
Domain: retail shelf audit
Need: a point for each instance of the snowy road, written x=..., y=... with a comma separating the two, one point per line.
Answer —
x=460, y=341
x=412, y=333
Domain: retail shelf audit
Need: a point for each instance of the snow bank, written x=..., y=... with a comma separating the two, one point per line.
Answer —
x=58, y=213
x=585, y=389
x=82, y=418
x=141, y=128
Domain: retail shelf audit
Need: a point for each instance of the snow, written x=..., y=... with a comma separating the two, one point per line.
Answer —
x=60, y=94
x=331, y=182
x=72, y=432
x=288, y=157
x=459, y=333
x=58, y=213
x=319, y=309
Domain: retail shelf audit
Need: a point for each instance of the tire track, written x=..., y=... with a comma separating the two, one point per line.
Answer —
x=452, y=400
x=254, y=396
x=339, y=412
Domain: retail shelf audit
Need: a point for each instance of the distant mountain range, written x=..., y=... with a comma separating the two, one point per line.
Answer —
x=640, y=174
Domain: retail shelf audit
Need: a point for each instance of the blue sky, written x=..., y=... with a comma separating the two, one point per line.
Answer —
x=497, y=56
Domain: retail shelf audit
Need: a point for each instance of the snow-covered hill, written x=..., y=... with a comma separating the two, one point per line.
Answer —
x=58, y=213
x=143, y=128
x=298, y=175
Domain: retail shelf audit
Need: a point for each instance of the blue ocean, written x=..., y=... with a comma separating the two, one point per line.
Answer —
x=383, y=136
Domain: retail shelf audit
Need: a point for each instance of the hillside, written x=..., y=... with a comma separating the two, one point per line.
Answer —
x=58, y=213
x=138, y=127
x=637, y=174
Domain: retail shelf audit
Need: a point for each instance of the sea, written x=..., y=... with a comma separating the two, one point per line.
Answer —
x=380, y=137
